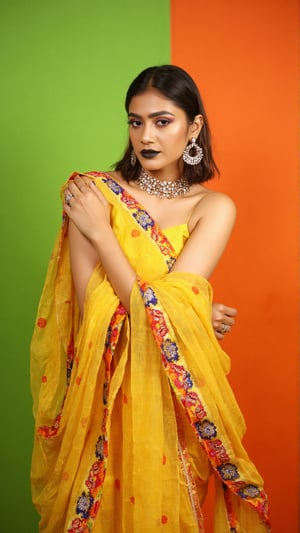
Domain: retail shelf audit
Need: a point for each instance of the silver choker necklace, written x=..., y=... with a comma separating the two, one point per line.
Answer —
x=162, y=189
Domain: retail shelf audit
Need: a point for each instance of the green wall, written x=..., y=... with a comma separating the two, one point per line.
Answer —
x=65, y=68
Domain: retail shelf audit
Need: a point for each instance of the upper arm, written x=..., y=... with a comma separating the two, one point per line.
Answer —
x=83, y=258
x=216, y=215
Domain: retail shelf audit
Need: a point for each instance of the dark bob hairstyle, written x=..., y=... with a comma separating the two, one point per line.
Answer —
x=177, y=85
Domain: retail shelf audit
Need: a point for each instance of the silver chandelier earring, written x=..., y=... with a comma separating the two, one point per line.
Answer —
x=133, y=158
x=192, y=159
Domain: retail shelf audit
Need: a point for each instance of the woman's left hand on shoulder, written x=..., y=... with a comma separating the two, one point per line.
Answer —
x=86, y=206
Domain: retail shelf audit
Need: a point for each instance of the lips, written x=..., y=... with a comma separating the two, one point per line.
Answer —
x=149, y=154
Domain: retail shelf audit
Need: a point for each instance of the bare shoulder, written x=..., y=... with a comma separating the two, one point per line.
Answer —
x=215, y=206
x=215, y=198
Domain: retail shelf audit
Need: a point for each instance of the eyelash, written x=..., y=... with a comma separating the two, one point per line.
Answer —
x=137, y=123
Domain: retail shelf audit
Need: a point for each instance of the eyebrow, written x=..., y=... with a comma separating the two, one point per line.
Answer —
x=152, y=115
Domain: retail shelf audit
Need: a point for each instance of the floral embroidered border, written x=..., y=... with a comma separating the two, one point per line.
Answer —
x=187, y=471
x=88, y=503
x=142, y=217
x=205, y=429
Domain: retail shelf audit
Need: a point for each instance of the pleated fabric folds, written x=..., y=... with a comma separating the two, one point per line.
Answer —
x=133, y=414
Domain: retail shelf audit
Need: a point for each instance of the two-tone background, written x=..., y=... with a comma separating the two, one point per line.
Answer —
x=65, y=68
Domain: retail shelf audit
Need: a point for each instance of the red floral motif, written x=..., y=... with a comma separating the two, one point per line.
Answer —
x=94, y=509
x=128, y=200
x=76, y=526
x=217, y=451
x=95, y=475
x=50, y=431
x=191, y=402
x=231, y=516
x=158, y=324
x=180, y=377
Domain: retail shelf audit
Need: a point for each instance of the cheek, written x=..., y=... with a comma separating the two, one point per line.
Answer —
x=178, y=140
x=179, y=133
x=133, y=136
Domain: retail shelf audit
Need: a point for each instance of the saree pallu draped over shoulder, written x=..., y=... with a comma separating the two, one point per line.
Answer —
x=133, y=414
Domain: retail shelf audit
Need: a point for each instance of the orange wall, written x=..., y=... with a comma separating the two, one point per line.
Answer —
x=243, y=56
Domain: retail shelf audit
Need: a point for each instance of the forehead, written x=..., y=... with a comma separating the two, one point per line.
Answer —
x=151, y=101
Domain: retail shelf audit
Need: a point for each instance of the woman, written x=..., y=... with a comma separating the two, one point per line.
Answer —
x=133, y=408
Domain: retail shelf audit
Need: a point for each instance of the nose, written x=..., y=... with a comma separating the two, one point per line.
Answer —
x=147, y=134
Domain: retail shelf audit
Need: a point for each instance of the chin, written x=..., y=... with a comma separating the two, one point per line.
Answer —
x=167, y=169
x=151, y=166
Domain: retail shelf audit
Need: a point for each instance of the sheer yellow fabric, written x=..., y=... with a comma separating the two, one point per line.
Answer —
x=134, y=414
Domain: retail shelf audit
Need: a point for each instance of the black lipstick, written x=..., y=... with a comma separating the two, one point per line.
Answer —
x=149, y=154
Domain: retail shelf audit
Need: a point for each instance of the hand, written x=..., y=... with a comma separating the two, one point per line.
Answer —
x=222, y=319
x=86, y=206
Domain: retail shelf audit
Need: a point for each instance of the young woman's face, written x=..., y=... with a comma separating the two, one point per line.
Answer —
x=159, y=132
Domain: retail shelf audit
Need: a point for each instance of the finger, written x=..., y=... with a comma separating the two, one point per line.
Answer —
x=67, y=209
x=219, y=335
x=217, y=323
x=73, y=188
x=229, y=321
x=224, y=329
x=229, y=311
x=80, y=183
x=68, y=196
x=218, y=315
x=98, y=193
x=79, y=189
x=221, y=319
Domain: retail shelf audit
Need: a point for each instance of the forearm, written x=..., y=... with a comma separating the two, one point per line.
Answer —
x=116, y=265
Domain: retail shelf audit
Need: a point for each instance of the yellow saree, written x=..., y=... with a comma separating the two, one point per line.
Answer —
x=134, y=414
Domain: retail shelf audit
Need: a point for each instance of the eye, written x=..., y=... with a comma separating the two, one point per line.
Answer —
x=134, y=123
x=163, y=122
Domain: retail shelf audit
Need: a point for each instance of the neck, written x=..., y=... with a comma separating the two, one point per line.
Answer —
x=163, y=188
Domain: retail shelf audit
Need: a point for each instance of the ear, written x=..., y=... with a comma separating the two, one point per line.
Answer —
x=196, y=126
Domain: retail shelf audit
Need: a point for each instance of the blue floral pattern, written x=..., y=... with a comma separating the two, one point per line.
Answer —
x=143, y=219
x=170, y=350
x=228, y=472
x=149, y=297
x=84, y=504
x=249, y=491
x=206, y=429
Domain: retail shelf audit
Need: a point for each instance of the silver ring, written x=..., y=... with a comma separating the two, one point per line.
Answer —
x=225, y=329
x=68, y=198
